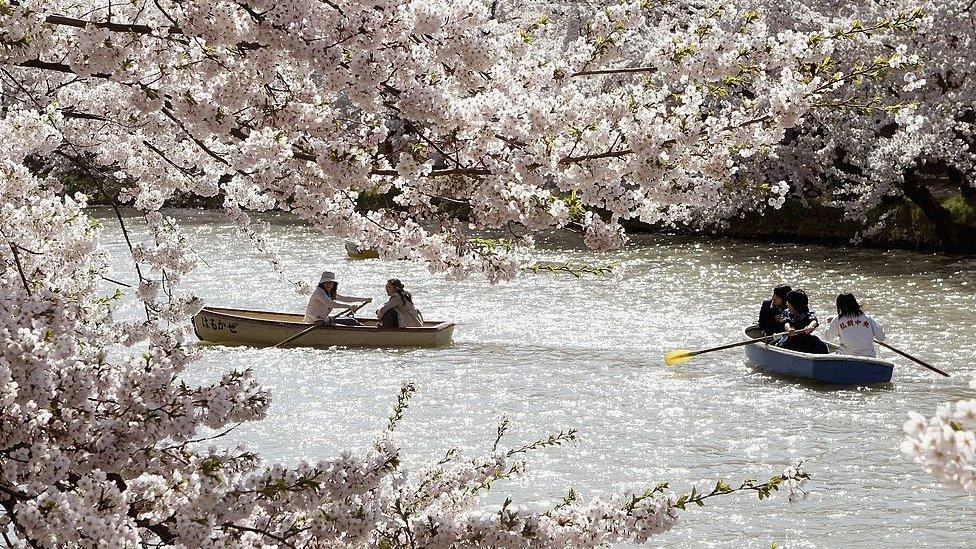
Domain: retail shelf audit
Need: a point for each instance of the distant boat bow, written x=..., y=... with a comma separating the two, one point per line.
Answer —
x=355, y=251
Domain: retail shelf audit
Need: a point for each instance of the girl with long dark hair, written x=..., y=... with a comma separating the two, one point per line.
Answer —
x=855, y=330
x=398, y=311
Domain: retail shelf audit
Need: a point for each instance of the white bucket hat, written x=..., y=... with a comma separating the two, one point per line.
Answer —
x=327, y=276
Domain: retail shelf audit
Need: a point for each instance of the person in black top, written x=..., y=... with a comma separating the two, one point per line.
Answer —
x=772, y=310
x=800, y=323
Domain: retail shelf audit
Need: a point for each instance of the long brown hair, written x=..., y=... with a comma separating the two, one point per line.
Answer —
x=335, y=288
x=399, y=289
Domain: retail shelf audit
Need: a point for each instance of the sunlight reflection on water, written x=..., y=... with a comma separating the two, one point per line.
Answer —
x=552, y=352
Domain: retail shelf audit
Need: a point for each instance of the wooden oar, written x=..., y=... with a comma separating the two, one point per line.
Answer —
x=910, y=357
x=682, y=355
x=352, y=311
x=303, y=332
x=319, y=324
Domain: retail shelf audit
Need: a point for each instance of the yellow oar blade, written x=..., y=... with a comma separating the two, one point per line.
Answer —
x=677, y=356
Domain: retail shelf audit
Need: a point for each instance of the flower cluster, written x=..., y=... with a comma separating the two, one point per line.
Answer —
x=779, y=190
x=945, y=444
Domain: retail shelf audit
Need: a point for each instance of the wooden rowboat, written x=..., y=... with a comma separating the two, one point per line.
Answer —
x=354, y=251
x=828, y=368
x=266, y=328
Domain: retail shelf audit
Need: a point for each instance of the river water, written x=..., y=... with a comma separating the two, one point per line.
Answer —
x=551, y=352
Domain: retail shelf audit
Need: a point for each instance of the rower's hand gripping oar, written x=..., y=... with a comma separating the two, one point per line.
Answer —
x=910, y=357
x=353, y=310
x=319, y=324
x=678, y=356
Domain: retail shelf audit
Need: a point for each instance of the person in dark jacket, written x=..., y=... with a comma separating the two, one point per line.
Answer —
x=772, y=311
x=800, y=323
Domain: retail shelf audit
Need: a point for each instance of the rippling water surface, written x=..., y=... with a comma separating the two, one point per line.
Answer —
x=553, y=352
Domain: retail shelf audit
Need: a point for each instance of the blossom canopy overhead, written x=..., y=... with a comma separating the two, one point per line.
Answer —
x=409, y=126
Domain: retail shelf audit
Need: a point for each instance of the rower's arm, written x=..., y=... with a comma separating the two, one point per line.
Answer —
x=352, y=299
x=333, y=303
x=833, y=328
x=878, y=330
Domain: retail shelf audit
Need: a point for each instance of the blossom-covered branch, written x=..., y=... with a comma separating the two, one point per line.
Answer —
x=298, y=106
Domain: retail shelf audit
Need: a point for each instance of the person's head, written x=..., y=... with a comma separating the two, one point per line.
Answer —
x=779, y=295
x=328, y=283
x=847, y=305
x=798, y=301
x=394, y=286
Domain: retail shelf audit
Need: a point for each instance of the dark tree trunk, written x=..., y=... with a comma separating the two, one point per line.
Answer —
x=968, y=193
x=955, y=237
x=956, y=176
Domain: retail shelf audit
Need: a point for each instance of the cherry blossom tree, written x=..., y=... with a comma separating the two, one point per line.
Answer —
x=638, y=110
x=892, y=137
x=461, y=115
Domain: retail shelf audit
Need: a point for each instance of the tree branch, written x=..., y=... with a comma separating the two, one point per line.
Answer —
x=20, y=268
x=621, y=70
x=108, y=25
x=277, y=538
x=57, y=67
x=440, y=173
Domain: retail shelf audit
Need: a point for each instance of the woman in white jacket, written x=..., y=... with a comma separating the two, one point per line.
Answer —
x=398, y=311
x=856, y=330
x=326, y=297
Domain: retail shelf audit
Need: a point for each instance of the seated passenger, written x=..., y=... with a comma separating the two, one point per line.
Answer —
x=772, y=311
x=399, y=311
x=326, y=297
x=856, y=330
x=800, y=323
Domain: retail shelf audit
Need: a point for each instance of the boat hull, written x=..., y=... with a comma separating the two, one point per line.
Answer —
x=826, y=368
x=266, y=328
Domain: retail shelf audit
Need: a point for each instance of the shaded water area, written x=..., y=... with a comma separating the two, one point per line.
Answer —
x=553, y=352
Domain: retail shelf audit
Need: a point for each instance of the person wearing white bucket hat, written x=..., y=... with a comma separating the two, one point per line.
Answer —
x=326, y=297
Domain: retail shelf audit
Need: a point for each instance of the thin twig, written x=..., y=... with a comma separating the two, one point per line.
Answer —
x=621, y=70
x=112, y=280
x=125, y=233
x=20, y=268
x=128, y=241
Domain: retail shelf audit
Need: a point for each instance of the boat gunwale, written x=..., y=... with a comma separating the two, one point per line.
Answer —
x=442, y=325
x=816, y=356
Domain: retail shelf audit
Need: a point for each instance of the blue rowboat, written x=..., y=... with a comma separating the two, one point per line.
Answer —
x=828, y=368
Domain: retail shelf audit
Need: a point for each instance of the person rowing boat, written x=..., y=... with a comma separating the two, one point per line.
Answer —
x=773, y=311
x=325, y=298
x=800, y=323
x=856, y=331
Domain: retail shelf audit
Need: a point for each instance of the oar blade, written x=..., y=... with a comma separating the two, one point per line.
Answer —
x=677, y=356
